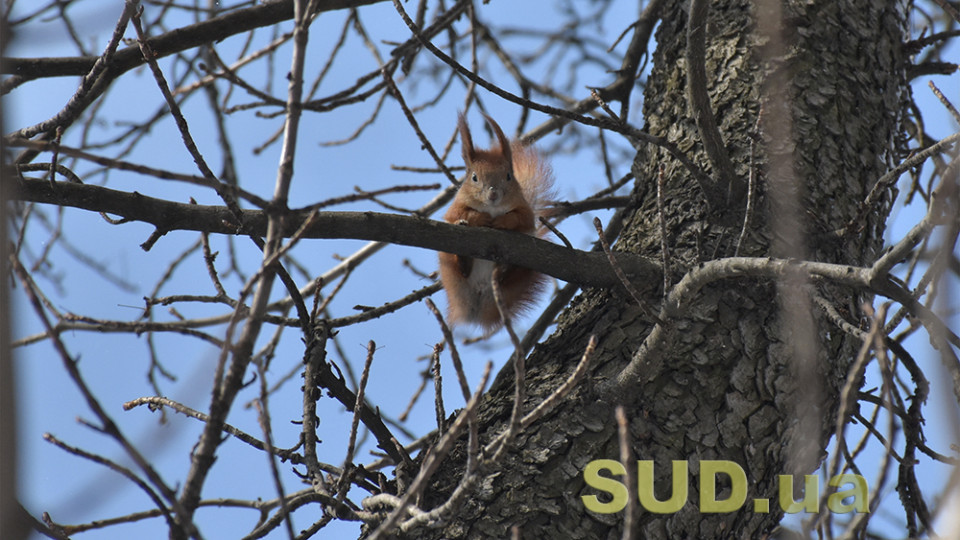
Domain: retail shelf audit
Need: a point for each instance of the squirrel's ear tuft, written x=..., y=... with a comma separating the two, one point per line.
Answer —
x=501, y=138
x=466, y=141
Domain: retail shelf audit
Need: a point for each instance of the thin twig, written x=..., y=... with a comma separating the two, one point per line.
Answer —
x=425, y=143
x=564, y=389
x=348, y=466
x=116, y=467
x=634, y=293
x=519, y=358
x=156, y=402
x=454, y=353
x=263, y=416
x=543, y=221
x=946, y=102
x=438, y=407
x=389, y=307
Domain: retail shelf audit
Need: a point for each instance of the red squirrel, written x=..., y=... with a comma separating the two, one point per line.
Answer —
x=506, y=187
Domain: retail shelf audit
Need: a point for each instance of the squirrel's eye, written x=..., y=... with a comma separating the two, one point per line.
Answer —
x=509, y=177
x=473, y=177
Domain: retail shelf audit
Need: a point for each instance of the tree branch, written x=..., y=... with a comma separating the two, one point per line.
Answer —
x=180, y=39
x=589, y=269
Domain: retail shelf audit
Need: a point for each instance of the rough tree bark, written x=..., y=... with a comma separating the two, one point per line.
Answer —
x=751, y=373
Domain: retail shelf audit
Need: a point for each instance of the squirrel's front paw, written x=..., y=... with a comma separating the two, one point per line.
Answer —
x=462, y=222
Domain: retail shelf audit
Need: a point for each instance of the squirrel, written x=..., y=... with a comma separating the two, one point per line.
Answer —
x=506, y=187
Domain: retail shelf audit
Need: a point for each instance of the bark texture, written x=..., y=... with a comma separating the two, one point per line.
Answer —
x=752, y=372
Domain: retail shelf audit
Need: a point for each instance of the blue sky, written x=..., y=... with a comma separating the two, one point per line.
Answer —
x=115, y=366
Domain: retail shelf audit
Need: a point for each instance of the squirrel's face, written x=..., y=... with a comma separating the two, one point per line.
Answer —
x=491, y=187
x=490, y=182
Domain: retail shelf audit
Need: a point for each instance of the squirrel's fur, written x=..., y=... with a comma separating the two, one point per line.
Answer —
x=506, y=187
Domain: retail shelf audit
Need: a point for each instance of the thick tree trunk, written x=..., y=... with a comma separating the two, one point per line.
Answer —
x=752, y=372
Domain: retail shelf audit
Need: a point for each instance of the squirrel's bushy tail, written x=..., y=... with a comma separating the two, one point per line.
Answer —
x=535, y=177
